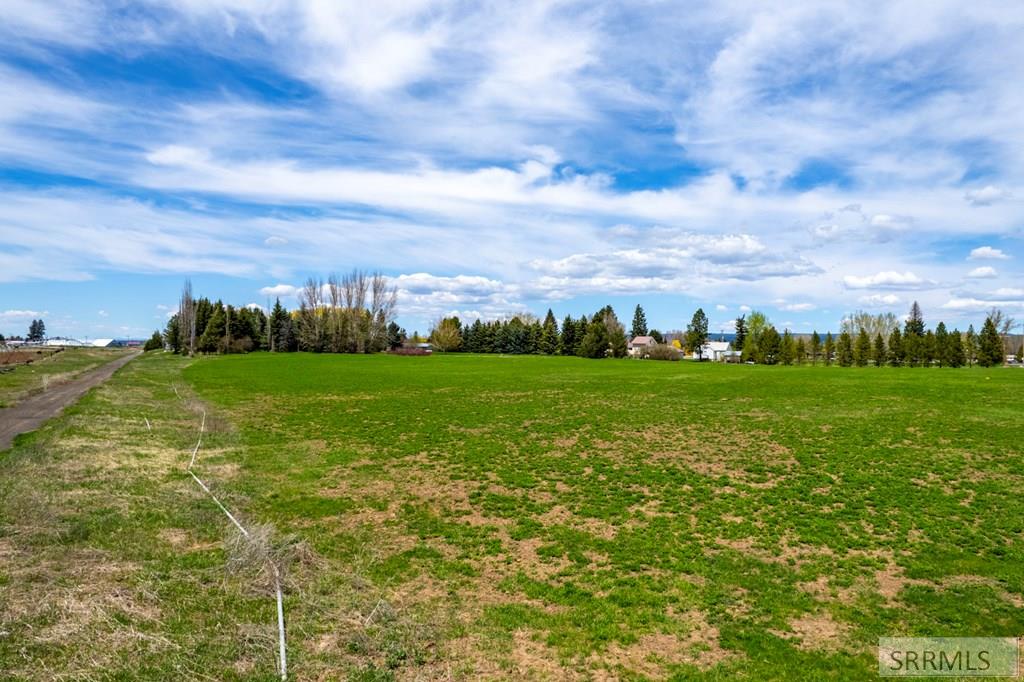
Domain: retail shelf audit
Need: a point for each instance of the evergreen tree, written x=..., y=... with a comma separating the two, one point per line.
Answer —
x=741, y=332
x=548, y=344
x=955, y=355
x=914, y=325
x=895, y=348
x=697, y=333
x=829, y=348
x=172, y=333
x=595, y=342
x=990, y=345
x=862, y=349
x=801, y=351
x=567, y=342
x=212, y=338
x=879, y=356
x=396, y=335
x=36, y=331
x=815, y=349
x=942, y=345
x=155, y=342
x=639, y=323
x=928, y=348
x=656, y=335
x=787, y=349
x=971, y=346
x=844, y=350
x=769, y=346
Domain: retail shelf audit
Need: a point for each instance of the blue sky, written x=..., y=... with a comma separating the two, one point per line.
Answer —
x=807, y=160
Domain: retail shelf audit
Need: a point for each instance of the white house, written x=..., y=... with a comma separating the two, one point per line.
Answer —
x=639, y=345
x=716, y=351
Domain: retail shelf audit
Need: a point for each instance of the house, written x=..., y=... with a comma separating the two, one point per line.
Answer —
x=716, y=351
x=639, y=345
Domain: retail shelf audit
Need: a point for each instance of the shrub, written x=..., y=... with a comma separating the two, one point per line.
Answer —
x=663, y=351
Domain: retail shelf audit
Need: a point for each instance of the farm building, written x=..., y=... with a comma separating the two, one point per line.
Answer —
x=103, y=343
x=66, y=343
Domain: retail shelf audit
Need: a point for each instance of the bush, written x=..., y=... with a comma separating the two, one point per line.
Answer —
x=155, y=342
x=663, y=351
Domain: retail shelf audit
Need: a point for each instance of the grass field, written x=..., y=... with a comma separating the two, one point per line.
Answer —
x=519, y=517
x=49, y=367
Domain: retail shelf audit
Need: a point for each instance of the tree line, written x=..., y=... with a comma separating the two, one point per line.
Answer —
x=914, y=346
x=353, y=313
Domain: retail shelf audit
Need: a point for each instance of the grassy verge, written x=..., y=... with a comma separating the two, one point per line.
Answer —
x=50, y=368
x=113, y=565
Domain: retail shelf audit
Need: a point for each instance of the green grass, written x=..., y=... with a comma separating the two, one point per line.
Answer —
x=540, y=517
x=24, y=380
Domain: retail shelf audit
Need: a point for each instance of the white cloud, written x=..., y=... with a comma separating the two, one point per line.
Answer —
x=279, y=290
x=745, y=308
x=983, y=272
x=103, y=313
x=879, y=300
x=986, y=196
x=16, y=315
x=275, y=241
x=987, y=252
x=721, y=308
x=889, y=279
x=797, y=307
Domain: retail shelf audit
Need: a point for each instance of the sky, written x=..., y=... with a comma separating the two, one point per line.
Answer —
x=804, y=159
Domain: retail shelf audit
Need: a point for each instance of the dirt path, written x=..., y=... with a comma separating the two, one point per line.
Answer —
x=29, y=414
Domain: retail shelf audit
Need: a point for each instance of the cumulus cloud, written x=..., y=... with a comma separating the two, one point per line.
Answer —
x=987, y=252
x=986, y=196
x=279, y=290
x=889, y=279
x=983, y=272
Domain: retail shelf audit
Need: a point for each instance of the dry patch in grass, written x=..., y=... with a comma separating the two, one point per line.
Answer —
x=652, y=653
x=817, y=631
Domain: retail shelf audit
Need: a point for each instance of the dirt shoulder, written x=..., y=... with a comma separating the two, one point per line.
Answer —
x=32, y=412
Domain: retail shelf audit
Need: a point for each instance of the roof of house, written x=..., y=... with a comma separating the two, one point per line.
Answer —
x=102, y=343
x=642, y=340
x=718, y=345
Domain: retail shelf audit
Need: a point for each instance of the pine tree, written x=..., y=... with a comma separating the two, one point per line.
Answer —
x=895, y=347
x=769, y=347
x=656, y=335
x=990, y=345
x=928, y=348
x=955, y=349
x=595, y=342
x=801, y=351
x=548, y=344
x=942, y=345
x=172, y=333
x=567, y=341
x=639, y=323
x=697, y=333
x=862, y=349
x=829, y=348
x=844, y=350
x=155, y=342
x=787, y=349
x=211, y=339
x=915, y=322
x=741, y=332
x=971, y=346
x=815, y=349
x=879, y=354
